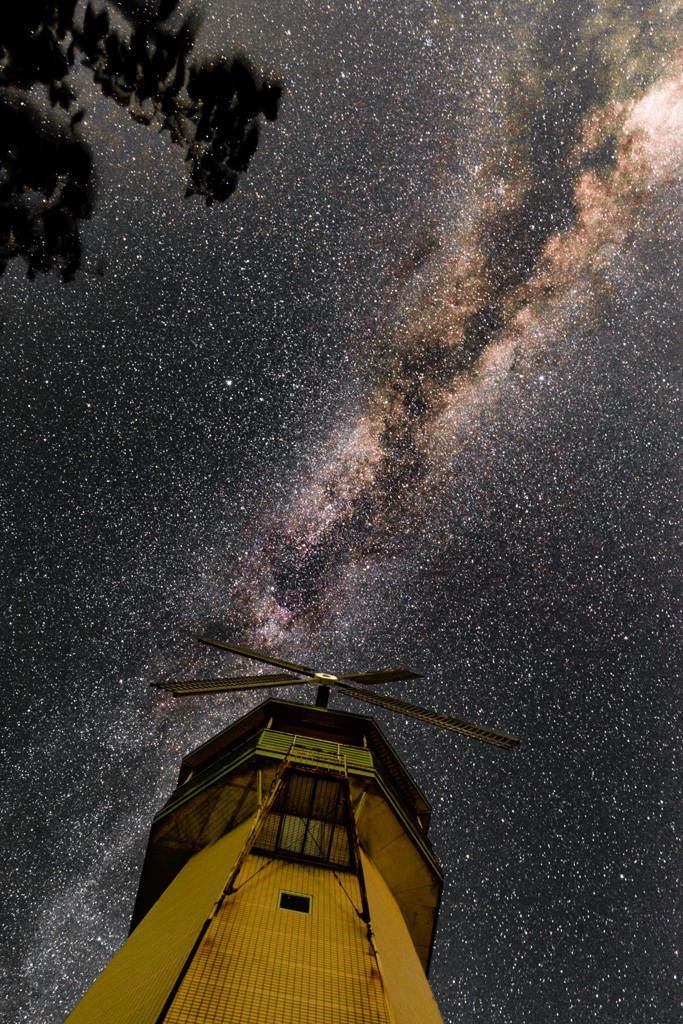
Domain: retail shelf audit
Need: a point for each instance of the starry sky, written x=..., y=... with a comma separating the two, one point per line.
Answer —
x=411, y=396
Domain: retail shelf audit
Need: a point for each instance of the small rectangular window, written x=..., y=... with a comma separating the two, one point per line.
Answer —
x=292, y=901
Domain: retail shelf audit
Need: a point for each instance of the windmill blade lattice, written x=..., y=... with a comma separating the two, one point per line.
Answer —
x=381, y=675
x=257, y=656
x=476, y=732
x=192, y=687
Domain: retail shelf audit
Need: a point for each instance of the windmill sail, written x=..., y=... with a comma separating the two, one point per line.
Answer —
x=381, y=675
x=191, y=687
x=257, y=656
x=498, y=739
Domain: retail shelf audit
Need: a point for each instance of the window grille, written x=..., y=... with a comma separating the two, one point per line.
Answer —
x=308, y=821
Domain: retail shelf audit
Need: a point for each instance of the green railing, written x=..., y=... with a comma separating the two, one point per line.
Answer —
x=315, y=752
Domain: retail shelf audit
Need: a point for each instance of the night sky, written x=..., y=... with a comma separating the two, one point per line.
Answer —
x=411, y=396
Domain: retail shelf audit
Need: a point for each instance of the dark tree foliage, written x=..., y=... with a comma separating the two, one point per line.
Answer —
x=45, y=191
x=211, y=110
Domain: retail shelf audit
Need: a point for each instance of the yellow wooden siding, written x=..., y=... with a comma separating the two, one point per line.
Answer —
x=413, y=881
x=133, y=988
x=411, y=997
x=260, y=964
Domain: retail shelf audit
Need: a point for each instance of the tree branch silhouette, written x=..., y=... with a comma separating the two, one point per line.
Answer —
x=211, y=110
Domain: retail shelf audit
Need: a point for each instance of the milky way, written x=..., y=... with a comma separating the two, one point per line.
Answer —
x=410, y=395
x=578, y=171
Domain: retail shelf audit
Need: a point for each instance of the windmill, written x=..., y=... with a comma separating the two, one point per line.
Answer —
x=302, y=675
x=289, y=877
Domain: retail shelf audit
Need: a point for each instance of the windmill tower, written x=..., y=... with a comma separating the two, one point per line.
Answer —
x=289, y=878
